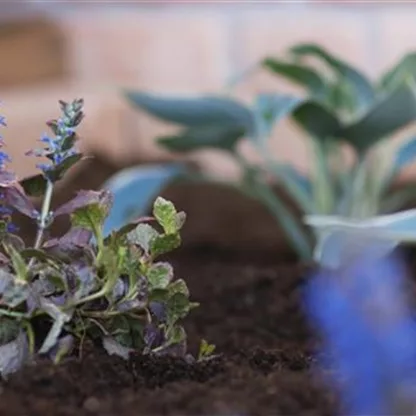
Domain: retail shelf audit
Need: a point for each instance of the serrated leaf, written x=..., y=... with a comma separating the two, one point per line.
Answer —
x=34, y=185
x=90, y=217
x=177, y=307
x=143, y=235
x=164, y=243
x=222, y=137
x=160, y=275
x=194, y=112
x=363, y=91
x=159, y=295
x=299, y=74
x=178, y=286
x=134, y=190
x=20, y=202
x=165, y=213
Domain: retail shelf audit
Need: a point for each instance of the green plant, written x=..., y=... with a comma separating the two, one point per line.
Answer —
x=85, y=284
x=341, y=107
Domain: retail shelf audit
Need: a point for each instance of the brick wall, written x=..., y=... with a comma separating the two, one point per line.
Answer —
x=192, y=48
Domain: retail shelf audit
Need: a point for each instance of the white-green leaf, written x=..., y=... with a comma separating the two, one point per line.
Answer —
x=143, y=235
x=339, y=238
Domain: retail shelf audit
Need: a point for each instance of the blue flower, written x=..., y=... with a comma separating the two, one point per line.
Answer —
x=57, y=147
x=12, y=228
x=369, y=335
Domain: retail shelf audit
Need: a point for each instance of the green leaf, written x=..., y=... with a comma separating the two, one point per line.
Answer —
x=18, y=261
x=270, y=109
x=159, y=275
x=34, y=186
x=193, y=112
x=392, y=112
x=159, y=295
x=12, y=291
x=90, y=217
x=363, y=91
x=176, y=335
x=317, y=120
x=164, y=244
x=178, y=286
x=165, y=213
x=177, y=307
x=9, y=330
x=224, y=137
x=29, y=253
x=404, y=69
x=299, y=74
x=142, y=236
x=205, y=350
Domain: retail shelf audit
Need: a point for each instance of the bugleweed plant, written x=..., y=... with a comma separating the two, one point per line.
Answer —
x=59, y=291
x=341, y=108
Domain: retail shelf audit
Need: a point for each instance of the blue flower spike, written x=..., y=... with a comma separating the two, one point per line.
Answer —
x=62, y=145
x=368, y=335
x=5, y=210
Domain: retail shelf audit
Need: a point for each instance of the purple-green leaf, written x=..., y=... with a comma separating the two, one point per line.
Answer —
x=20, y=202
x=84, y=199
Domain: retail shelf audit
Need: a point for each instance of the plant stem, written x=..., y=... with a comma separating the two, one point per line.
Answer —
x=44, y=214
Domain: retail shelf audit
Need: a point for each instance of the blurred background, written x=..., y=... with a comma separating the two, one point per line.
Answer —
x=62, y=50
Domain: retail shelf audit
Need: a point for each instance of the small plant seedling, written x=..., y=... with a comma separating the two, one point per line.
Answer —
x=110, y=286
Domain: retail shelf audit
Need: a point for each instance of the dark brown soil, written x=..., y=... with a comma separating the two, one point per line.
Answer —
x=250, y=309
